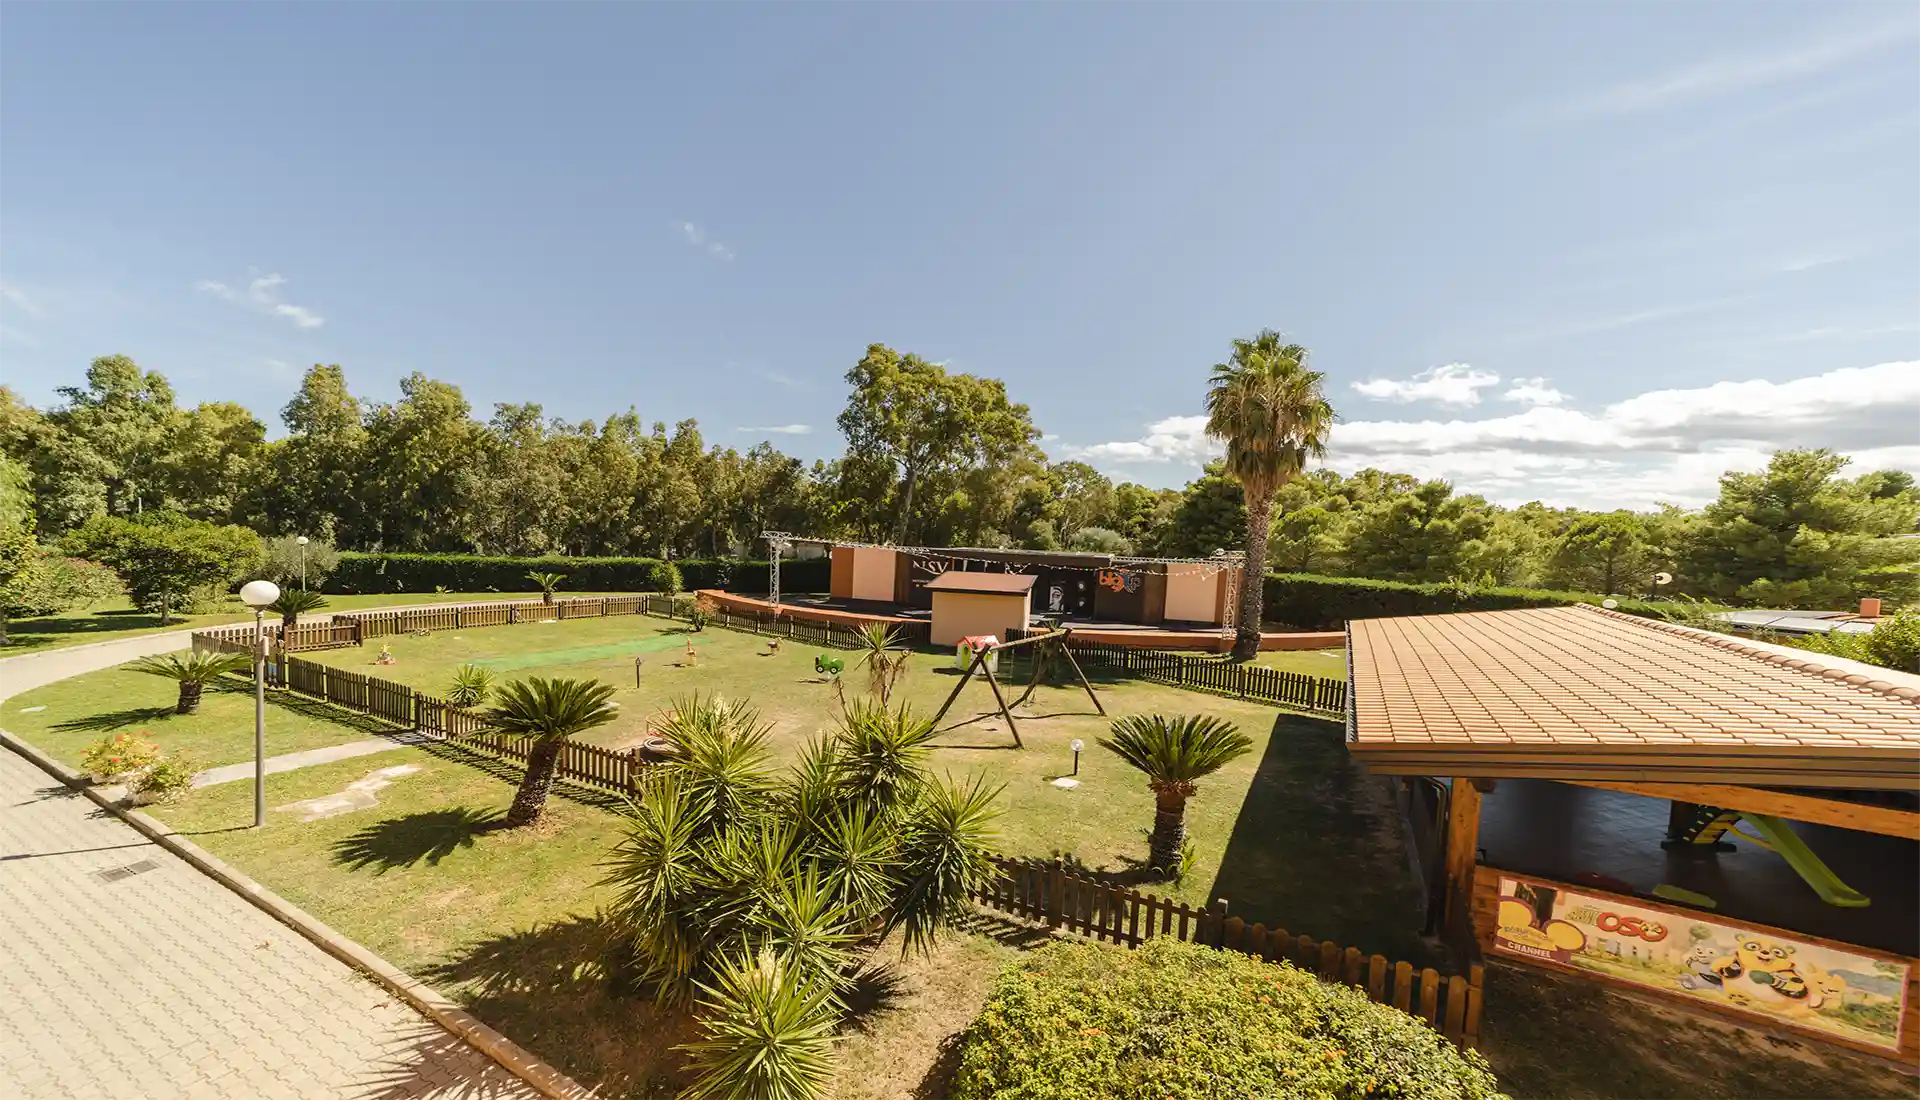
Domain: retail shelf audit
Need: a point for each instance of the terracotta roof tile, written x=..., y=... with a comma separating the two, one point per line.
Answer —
x=1586, y=677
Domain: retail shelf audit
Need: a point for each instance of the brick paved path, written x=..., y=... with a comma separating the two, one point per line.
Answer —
x=162, y=984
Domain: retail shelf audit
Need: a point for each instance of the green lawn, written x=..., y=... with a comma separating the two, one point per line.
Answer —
x=118, y=619
x=1296, y=786
x=1330, y=663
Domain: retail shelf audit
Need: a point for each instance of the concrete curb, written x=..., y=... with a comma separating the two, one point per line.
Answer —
x=423, y=997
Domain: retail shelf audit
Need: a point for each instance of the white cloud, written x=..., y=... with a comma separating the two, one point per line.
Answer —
x=1449, y=384
x=263, y=294
x=779, y=379
x=1664, y=445
x=1533, y=391
x=781, y=429
x=17, y=298
x=697, y=237
x=1809, y=56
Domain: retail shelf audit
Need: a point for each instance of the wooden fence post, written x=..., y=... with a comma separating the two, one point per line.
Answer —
x=1217, y=924
x=1056, y=886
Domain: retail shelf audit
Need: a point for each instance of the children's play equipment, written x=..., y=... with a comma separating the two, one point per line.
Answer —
x=1043, y=648
x=826, y=665
x=1700, y=828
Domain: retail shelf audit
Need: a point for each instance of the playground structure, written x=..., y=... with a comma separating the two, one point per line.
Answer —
x=1592, y=770
x=1044, y=648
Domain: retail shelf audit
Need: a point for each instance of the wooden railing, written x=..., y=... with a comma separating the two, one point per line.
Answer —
x=1265, y=685
x=1049, y=894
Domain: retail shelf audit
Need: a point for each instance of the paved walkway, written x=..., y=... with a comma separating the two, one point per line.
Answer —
x=129, y=975
x=126, y=974
x=289, y=761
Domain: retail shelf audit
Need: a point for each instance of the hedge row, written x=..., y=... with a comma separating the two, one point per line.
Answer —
x=372, y=573
x=1310, y=602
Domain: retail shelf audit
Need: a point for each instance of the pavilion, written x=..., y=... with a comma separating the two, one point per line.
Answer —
x=1576, y=780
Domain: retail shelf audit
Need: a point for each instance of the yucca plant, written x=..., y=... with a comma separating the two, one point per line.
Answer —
x=192, y=669
x=768, y=1027
x=881, y=754
x=295, y=602
x=719, y=755
x=1175, y=754
x=471, y=684
x=546, y=583
x=946, y=853
x=883, y=657
x=546, y=712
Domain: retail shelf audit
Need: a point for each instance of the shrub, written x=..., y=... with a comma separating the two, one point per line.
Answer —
x=1894, y=642
x=664, y=577
x=1310, y=602
x=65, y=584
x=377, y=573
x=167, y=780
x=1175, y=1021
x=471, y=686
x=1099, y=540
x=119, y=754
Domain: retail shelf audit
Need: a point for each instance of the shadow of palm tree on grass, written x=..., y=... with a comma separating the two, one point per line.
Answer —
x=401, y=842
x=110, y=720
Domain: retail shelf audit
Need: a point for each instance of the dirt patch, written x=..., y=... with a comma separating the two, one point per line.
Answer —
x=901, y=1045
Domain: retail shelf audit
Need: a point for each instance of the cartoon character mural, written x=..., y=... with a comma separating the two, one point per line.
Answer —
x=1808, y=984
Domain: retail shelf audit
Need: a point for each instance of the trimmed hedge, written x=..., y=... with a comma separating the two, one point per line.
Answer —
x=359, y=573
x=1176, y=1021
x=1307, y=601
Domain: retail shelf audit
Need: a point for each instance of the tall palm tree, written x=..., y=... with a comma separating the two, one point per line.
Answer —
x=881, y=652
x=1175, y=754
x=1272, y=414
x=192, y=670
x=546, y=713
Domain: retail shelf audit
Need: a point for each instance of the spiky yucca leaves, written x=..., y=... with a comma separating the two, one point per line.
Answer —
x=471, y=684
x=546, y=712
x=192, y=669
x=769, y=1026
x=857, y=852
x=883, y=657
x=295, y=602
x=882, y=754
x=1175, y=754
x=946, y=852
x=660, y=875
x=720, y=756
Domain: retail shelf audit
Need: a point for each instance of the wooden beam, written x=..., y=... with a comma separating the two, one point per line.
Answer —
x=1883, y=820
x=1463, y=843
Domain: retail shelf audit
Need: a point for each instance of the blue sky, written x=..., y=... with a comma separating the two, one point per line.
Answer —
x=1590, y=253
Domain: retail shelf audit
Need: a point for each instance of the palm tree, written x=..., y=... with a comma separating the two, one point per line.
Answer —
x=1175, y=754
x=1270, y=411
x=192, y=669
x=471, y=683
x=546, y=583
x=880, y=651
x=546, y=713
x=295, y=602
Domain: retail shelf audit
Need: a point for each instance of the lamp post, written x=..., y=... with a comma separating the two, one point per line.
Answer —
x=1077, y=746
x=257, y=595
x=302, y=542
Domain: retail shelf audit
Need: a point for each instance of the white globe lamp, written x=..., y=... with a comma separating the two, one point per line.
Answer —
x=258, y=595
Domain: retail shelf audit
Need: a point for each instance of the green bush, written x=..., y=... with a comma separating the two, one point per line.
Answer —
x=377, y=573
x=1307, y=601
x=1894, y=642
x=1173, y=1021
x=665, y=577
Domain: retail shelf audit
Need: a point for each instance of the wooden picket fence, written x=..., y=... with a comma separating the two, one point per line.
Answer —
x=1265, y=685
x=438, y=720
x=1050, y=894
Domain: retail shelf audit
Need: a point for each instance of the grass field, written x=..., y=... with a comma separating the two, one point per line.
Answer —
x=118, y=619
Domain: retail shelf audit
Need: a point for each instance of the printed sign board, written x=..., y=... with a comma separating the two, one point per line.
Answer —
x=1856, y=997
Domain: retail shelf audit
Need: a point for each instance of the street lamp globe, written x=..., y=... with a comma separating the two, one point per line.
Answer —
x=259, y=594
x=301, y=541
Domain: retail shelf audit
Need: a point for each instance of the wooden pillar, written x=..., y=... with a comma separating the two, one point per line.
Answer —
x=1463, y=841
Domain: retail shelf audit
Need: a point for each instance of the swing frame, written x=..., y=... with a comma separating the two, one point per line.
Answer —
x=1046, y=644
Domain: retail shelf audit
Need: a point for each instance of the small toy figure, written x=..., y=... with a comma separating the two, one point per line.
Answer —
x=386, y=656
x=692, y=657
x=773, y=646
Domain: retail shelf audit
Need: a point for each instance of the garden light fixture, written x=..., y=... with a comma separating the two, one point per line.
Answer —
x=257, y=595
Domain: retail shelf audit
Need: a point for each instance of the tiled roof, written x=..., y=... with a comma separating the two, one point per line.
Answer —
x=953, y=580
x=1566, y=687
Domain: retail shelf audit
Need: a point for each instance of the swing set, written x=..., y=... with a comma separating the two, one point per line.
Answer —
x=1046, y=646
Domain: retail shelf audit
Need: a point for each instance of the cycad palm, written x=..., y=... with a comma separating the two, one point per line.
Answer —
x=192, y=670
x=1175, y=754
x=546, y=583
x=546, y=713
x=1272, y=414
x=295, y=602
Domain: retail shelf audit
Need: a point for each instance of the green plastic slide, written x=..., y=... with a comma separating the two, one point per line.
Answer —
x=1791, y=848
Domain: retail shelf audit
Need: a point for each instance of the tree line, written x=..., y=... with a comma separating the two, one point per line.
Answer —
x=932, y=457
